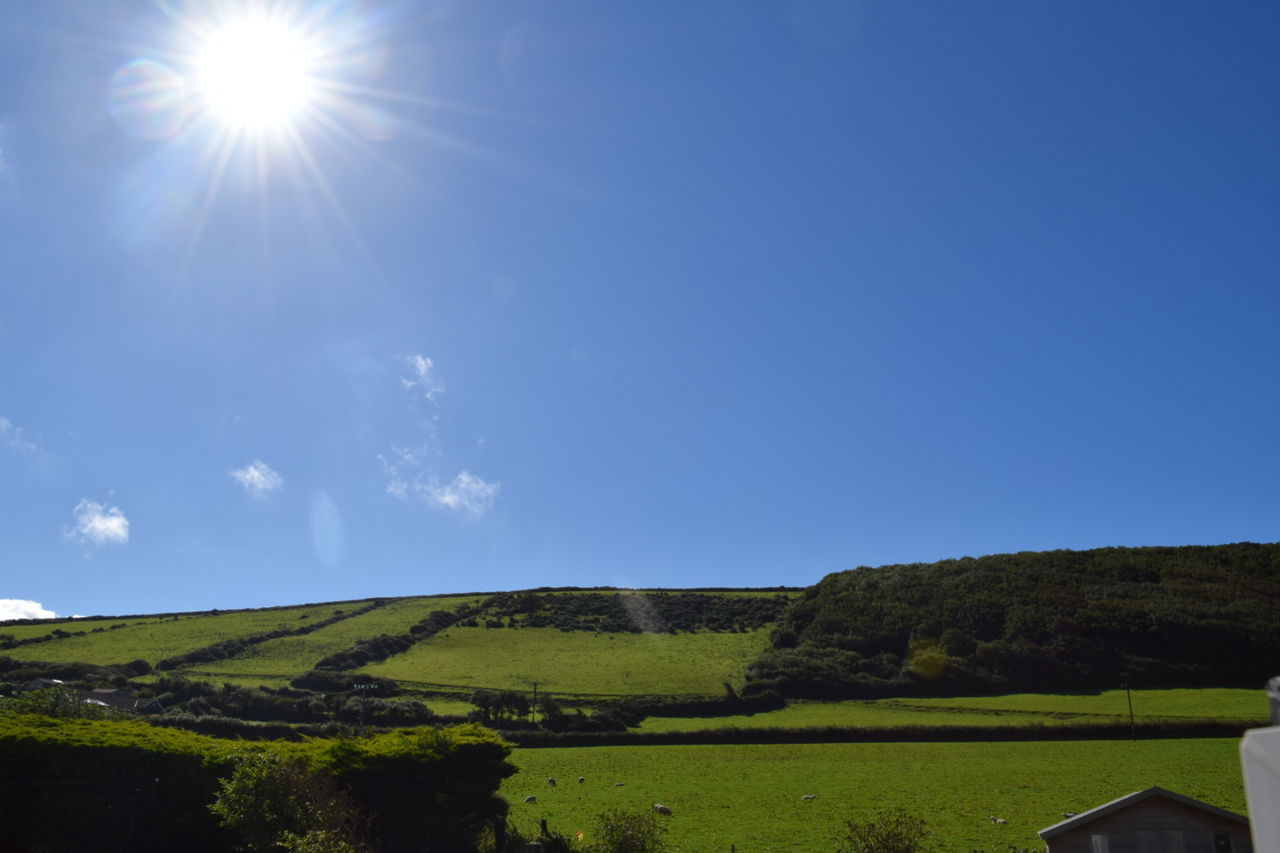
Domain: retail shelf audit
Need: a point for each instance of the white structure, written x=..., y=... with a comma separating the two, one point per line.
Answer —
x=1260, y=755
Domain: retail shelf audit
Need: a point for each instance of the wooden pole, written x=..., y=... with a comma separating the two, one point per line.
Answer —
x=1133, y=729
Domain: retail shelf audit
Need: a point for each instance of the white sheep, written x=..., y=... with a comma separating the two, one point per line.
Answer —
x=809, y=797
x=995, y=819
x=581, y=779
x=617, y=784
x=530, y=799
x=1069, y=815
x=552, y=781
x=661, y=809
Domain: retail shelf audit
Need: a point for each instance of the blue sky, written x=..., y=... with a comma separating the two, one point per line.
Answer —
x=635, y=294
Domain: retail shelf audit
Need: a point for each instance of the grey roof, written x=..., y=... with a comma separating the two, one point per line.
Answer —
x=1129, y=800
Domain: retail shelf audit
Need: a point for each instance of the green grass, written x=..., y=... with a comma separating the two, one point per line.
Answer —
x=287, y=657
x=449, y=707
x=577, y=662
x=154, y=640
x=750, y=796
x=1247, y=707
x=26, y=632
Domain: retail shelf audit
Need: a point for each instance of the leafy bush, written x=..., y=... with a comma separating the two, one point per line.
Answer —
x=74, y=784
x=892, y=831
x=62, y=702
x=273, y=802
x=617, y=831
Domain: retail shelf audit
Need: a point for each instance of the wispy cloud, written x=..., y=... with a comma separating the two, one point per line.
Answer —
x=409, y=479
x=423, y=377
x=411, y=474
x=258, y=479
x=400, y=465
x=20, y=608
x=16, y=438
x=466, y=494
x=98, y=525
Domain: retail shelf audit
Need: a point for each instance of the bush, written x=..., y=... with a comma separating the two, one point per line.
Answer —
x=892, y=831
x=62, y=702
x=274, y=802
x=621, y=832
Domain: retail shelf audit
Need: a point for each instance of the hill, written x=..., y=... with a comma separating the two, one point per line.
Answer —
x=303, y=664
x=1169, y=617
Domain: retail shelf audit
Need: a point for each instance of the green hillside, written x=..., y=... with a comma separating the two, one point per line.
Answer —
x=573, y=663
x=157, y=639
x=1033, y=621
x=301, y=664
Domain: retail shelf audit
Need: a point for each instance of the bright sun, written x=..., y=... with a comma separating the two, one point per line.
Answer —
x=254, y=74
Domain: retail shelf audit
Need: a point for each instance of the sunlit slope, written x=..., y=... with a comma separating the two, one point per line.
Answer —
x=577, y=662
x=43, y=628
x=750, y=797
x=1243, y=707
x=154, y=641
x=286, y=657
x=599, y=642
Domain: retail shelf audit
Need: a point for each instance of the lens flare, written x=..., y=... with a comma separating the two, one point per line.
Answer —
x=148, y=100
x=326, y=530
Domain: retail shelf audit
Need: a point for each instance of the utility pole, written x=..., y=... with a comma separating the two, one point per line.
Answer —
x=1133, y=729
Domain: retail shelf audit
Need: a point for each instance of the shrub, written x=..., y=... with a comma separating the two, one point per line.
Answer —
x=892, y=831
x=62, y=702
x=617, y=831
x=274, y=802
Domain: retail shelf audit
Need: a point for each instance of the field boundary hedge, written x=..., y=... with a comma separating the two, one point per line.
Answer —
x=882, y=734
x=230, y=648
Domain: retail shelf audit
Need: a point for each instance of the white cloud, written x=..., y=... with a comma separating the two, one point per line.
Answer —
x=19, y=608
x=397, y=485
x=411, y=476
x=466, y=493
x=99, y=525
x=16, y=438
x=258, y=479
x=423, y=372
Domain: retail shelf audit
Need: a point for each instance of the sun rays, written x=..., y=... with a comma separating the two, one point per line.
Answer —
x=258, y=94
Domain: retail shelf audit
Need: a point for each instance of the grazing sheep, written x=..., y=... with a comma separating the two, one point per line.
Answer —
x=531, y=799
x=552, y=781
x=1069, y=815
x=809, y=797
x=995, y=819
x=581, y=779
x=617, y=784
x=661, y=809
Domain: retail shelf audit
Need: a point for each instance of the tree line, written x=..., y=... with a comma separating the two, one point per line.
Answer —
x=1155, y=617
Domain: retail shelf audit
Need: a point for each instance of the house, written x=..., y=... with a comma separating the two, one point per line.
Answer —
x=122, y=699
x=1260, y=755
x=1151, y=821
x=42, y=684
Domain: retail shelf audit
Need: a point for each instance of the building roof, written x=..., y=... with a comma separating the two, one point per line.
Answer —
x=1132, y=799
x=119, y=698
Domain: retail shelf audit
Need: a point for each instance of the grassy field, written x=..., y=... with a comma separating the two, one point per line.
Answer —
x=1247, y=707
x=750, y=796
x=286, y=657
x=153, y=640
x=26, y=632
x=577, y=662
